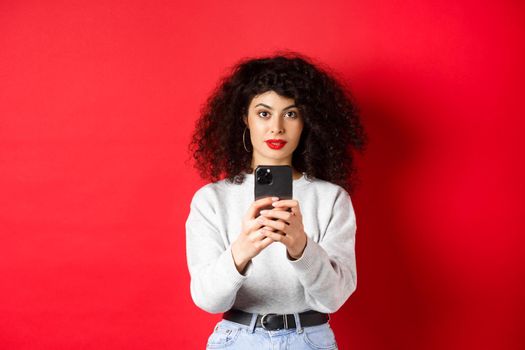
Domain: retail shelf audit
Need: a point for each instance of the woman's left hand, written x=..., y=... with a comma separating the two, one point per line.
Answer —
x=289, y=226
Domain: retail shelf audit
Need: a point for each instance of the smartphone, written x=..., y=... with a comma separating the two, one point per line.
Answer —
x=273, y=181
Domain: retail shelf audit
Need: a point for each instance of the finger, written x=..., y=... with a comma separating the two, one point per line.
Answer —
x=269, y=228
x=256, y=224
x=288, y=203
x=278, y=225
x=296, y=211
x=278, y=208
x=266, y=242
x=256, y=235
x=275, y=236
x=254, y=208
x=277, y=214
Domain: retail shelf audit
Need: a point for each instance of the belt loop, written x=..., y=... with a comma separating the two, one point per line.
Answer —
x=252, y=323
x=298, y=323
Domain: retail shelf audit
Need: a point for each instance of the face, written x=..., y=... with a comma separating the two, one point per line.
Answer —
x=273, y=117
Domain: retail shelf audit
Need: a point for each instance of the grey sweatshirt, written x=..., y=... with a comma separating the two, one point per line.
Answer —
x=322, y=279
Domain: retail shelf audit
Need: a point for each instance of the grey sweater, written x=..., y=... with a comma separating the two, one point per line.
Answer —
x=322, y=279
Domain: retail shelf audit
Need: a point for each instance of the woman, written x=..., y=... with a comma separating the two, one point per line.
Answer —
x=276, y=275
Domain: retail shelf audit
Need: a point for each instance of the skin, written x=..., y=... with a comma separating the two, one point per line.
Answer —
x=276, y=119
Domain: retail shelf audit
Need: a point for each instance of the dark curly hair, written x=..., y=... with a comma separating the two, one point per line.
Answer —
x=332, y=127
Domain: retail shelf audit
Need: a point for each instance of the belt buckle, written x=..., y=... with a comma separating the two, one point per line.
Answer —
x=262, y=320
x=285, y=321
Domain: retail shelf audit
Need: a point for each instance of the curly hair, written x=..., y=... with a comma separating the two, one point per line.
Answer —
x=332, y=126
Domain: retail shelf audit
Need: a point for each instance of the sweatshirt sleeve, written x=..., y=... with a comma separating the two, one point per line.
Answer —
x=214, y=277
x=327, y=270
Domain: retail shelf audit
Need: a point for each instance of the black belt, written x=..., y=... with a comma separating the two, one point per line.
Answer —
x=273, y=322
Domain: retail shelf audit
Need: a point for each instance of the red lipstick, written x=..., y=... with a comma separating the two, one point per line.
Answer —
x=275, y=143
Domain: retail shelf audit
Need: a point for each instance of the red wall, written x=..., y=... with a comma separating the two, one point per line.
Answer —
x=97, y=103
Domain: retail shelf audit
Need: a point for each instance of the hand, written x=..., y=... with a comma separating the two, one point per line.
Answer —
x=289, y=228
x=251, y=241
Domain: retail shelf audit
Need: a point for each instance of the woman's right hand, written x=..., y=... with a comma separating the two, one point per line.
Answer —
x=251, y=241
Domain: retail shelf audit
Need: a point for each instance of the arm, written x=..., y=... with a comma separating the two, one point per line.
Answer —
x=327, y=269
x=215, y=279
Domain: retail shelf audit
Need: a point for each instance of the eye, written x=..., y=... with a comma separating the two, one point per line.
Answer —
x=294, y=114
x=259, y=113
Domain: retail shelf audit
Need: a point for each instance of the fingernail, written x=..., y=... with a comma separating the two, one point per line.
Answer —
x=264, y=211
x=275, y=198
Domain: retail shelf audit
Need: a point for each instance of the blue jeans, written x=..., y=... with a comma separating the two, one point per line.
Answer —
x=236, y=336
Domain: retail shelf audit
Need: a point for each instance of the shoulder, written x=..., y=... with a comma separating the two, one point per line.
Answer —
x=203, y=196
x=328, y=190
x=212, y=191
x=331, y=196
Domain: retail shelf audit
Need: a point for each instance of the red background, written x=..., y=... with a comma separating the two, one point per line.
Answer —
x=97, y=104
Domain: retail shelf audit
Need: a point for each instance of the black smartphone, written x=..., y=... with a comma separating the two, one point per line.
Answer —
x=273, y=181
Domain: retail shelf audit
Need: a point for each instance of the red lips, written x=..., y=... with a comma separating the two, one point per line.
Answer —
x=275, y=143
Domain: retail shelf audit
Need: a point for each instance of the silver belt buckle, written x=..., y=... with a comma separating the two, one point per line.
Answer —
x=262, y=320
x=285, y=321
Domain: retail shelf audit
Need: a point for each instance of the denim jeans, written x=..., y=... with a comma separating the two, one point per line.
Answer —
x=236, y=336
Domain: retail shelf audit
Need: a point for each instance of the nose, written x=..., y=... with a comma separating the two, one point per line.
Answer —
x=276, y=126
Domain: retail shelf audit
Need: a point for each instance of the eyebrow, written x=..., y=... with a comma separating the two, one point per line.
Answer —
x=262, y=104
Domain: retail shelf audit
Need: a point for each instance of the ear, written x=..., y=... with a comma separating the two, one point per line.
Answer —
x=245, y=120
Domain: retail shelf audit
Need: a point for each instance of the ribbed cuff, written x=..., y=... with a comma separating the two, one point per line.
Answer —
x=306, y=260
x=226, y=265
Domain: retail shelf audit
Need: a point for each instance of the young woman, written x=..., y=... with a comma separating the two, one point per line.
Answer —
x=276, y=275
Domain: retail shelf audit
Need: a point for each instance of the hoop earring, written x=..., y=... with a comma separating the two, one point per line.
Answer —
x=243, y=141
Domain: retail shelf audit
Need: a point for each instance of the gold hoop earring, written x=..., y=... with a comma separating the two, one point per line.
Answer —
x=243, y=141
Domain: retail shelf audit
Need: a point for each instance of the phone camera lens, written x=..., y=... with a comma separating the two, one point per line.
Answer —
x=264, y=176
